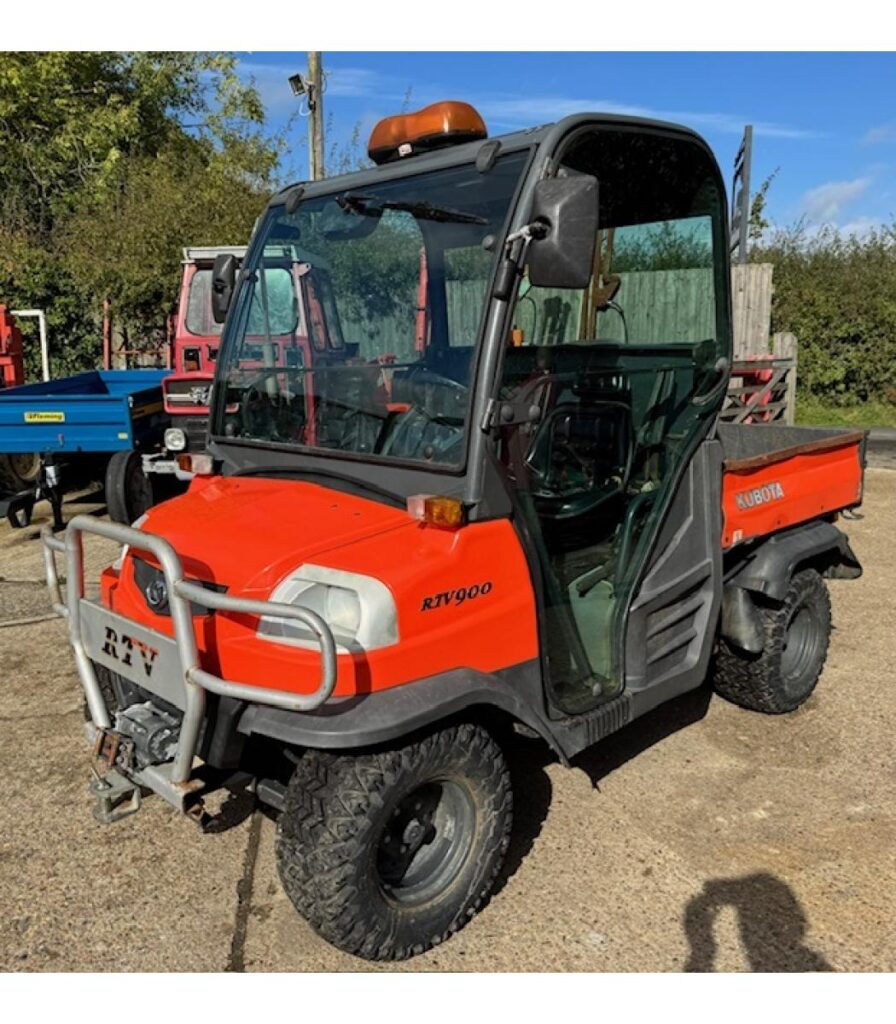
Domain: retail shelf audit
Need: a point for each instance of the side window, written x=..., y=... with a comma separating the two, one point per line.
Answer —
x=274, y=307
x=653, y=285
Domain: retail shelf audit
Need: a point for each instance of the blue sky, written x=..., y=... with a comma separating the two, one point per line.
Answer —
x=828, y=120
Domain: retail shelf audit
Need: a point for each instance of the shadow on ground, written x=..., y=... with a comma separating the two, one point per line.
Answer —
x=613, y=752
x=771, y=922
x=527, y=760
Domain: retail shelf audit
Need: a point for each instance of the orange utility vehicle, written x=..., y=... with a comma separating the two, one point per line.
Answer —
x=514, y=508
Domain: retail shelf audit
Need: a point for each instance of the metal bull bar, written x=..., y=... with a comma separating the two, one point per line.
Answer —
x=180, y=593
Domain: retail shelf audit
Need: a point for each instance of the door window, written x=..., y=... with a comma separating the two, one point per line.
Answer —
x=615, y=370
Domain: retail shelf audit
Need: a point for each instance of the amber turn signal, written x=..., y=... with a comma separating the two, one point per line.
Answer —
x=437, y=510
x=198, y=465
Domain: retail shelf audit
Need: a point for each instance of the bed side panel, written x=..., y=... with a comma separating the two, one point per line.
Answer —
x=761, y=500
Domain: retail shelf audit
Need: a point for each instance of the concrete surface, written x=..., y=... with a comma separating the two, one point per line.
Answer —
x=703, y=837
x=881, y=449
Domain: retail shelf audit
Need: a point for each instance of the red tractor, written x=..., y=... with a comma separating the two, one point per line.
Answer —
x=304, y=335
x=413, y=530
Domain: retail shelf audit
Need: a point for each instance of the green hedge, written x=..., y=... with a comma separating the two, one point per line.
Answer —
x=837, y=294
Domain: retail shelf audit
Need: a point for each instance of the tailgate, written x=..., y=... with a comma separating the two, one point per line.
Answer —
x=779, y=476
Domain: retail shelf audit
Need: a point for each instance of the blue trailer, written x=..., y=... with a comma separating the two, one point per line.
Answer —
x=116, y=415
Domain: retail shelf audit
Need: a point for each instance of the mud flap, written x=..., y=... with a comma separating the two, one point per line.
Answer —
x=740, y=620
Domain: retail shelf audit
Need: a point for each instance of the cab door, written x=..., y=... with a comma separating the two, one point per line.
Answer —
x=611, y=480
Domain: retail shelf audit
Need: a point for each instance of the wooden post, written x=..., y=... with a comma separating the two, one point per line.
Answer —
x=315, y=115
x=784, y=347
x=751, y=312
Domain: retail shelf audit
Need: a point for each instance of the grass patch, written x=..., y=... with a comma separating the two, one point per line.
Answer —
x=812, y=412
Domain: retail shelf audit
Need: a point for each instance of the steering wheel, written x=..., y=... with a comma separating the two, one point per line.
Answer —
x=408, y=431
x=261, y=421
x=250, y=418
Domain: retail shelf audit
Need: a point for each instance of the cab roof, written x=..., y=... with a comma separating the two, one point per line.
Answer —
x=467, y=151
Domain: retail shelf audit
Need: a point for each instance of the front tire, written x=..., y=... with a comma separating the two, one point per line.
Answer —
x=796, y=635
x=386, y=854
x=128, y=489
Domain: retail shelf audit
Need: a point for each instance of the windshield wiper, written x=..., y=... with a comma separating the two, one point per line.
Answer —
x=373, y=206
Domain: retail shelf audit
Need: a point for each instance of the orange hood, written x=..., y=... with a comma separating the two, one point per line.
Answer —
x=248, y=533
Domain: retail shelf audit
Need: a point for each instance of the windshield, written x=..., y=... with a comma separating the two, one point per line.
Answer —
x=199, y=319
x=395, y=279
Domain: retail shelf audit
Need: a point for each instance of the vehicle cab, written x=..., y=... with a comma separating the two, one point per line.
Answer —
x=459, y=355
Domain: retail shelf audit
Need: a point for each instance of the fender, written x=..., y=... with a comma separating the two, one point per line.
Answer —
x=369, y=719
x=769, y=566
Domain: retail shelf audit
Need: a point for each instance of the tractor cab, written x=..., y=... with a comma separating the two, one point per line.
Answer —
x=533, y=328
x=296, y=295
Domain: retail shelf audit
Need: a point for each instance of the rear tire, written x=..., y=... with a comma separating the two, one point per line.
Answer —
x=796, y=635
x=19, y=470
x=128, y=489
x=387, y=854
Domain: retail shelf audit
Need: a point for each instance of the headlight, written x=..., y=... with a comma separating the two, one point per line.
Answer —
x=360, y=610
x=175, y=439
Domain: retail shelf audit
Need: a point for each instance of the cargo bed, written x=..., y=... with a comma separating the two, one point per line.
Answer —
x=777, y=476
x=97, y=416
x=98, y=411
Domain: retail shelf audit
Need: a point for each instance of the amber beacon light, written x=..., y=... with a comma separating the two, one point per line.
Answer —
x=440, y=124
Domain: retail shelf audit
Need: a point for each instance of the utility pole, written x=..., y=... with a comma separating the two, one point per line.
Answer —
x=315, y=115
x=311, y=86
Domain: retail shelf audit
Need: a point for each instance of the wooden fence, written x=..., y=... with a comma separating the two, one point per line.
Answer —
x=763, y=371
x=668, y=305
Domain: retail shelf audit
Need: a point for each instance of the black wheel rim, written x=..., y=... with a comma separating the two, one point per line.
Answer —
x=425, y=842
x=800, y=645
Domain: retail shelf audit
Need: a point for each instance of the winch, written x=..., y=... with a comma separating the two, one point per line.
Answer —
x=153, y=732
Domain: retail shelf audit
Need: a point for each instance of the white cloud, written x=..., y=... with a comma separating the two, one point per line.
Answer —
x=824, y=203
x=512, y=112
x=881, y=133
x=861, y=226
x=501, y=112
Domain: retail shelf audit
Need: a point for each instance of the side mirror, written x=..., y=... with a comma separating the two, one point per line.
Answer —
x=223, y=279
x=567, y=209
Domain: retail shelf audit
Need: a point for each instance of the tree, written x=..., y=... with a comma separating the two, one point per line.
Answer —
x=837, y=293
x=757, y=224
x=110, y=163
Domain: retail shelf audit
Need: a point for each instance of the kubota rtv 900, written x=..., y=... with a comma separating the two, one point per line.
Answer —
x=500, y=497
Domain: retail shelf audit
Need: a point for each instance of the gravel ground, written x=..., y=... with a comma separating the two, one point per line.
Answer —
x=702, y=837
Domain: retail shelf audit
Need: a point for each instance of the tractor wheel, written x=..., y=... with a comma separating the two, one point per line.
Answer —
x=796, y=634
x=389, y=853
x=19, y=470
x=128, y=489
